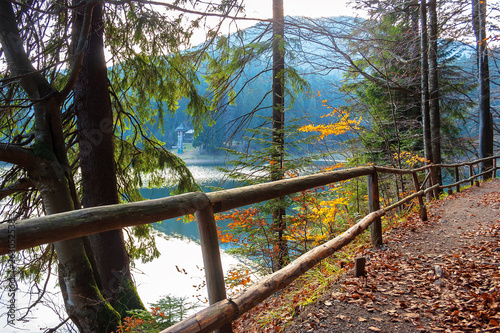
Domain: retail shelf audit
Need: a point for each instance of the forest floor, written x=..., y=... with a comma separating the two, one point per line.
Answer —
x=442, y=275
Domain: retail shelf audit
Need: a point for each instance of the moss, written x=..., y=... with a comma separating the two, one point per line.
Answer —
x=128, y=298
x=42, y=150
x=90, y=311
x=107, y=317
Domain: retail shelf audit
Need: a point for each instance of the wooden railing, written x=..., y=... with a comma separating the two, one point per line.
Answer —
x=222, y=311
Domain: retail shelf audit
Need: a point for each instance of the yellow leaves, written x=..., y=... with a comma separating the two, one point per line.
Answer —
x=341, y=126
x=409, y=158
x=333, y=167
x=328, y=209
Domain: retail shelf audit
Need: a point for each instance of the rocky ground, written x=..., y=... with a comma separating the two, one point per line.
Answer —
x=442, y=275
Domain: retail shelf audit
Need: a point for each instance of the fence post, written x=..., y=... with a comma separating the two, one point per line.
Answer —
x=428, y=179
x=471, y=173
x=374, y=205
x=495, y=167
x=422, y=209
x=457, y=178
x=435, y=192
x=211, y=258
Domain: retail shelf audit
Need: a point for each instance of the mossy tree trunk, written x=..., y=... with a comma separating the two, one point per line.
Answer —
x=48, y=168
x=99, y=184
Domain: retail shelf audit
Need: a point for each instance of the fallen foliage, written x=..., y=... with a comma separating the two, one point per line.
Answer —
x=442, y=275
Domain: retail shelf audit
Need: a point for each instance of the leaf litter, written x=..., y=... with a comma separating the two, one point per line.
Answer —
x=442, y=275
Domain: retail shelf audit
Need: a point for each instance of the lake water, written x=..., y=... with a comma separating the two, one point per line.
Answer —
x=208, y=177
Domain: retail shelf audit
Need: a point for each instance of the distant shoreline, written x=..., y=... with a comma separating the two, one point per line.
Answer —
x=203, y=162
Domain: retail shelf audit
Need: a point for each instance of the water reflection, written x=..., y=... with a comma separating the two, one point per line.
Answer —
x=208, y=177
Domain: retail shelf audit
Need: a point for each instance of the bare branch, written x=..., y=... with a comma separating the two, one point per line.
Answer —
x=188, y=11
x=51, y=330
x=17, y=155
x=22, y=184
x=59, y=9
x=17, y=59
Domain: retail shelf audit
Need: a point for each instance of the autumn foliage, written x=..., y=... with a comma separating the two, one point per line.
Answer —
x=343, y=124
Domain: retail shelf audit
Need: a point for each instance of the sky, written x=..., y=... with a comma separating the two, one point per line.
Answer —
x=310, y=8
x=263, y=9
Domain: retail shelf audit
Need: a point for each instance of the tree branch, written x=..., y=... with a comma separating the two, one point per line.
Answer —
x=52, y=330
x=17, y=59
x=17, y=155
x=188, y=11
x=22, y=184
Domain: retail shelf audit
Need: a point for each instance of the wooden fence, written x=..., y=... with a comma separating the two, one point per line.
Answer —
x=222, y=311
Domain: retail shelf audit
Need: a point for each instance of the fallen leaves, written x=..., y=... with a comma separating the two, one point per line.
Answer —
x=442, y=275
x=456, y=290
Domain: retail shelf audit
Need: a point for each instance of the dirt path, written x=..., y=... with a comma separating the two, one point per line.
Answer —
x=439, y=276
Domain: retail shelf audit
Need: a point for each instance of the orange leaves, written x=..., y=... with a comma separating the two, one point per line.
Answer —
x=237, y=277
x=241, y=221
x=136, y=323
x=226, y=237
x=333, y=167
x=156, y=312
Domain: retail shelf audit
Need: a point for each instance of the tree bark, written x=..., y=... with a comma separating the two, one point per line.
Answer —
x=424, y=67
x=278, y=137
x=485, y=117
x=435, y=118
x=84, y=303
x=99, y=184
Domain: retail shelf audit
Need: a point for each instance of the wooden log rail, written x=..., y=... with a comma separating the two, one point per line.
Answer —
x=228, y=310
x=82, y=222
x=222, y=311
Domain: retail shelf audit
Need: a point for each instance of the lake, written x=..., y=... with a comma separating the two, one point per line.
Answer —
x=207, y=176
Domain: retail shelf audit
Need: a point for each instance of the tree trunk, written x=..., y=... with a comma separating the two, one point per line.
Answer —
x=278, y=139
x=424, y=68
x=99, y=184
x=85, y=304
x=485, y=117
x=49, y=171
x=435, y=119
